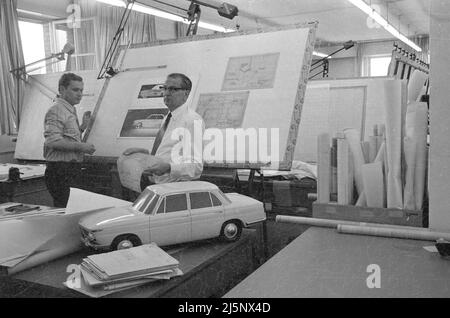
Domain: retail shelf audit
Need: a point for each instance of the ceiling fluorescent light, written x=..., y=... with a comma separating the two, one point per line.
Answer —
x=38, y=14
x=320, y=54
x=363, y=6
x=117, y=3
x=166, y=15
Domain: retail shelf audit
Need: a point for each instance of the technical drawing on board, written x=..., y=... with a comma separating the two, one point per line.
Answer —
x=251, y=72
x=223, y=110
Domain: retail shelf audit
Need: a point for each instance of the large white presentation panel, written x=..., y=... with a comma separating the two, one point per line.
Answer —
x=244, y=80
x=40, y=92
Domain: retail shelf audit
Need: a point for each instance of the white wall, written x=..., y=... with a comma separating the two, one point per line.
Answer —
x=345, y=64
x=343, y=68
x=377, y=48
x=439, y=175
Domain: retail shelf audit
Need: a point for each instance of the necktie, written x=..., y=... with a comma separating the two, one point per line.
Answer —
x=160, y=134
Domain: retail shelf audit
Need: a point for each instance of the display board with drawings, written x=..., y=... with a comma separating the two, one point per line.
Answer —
x=254, y=81
x=39, y=94
x=333, y=105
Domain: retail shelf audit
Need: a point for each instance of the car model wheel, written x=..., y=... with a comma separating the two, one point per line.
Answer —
x=231, y=231
x=125, y=241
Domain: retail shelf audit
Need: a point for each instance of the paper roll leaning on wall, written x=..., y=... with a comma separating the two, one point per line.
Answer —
x=353, y=138
x=416, y=150
x=394, y=125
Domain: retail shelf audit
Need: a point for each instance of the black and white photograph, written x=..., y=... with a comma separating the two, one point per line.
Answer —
x=143, y=122
x=151, y=91
x=225, y=154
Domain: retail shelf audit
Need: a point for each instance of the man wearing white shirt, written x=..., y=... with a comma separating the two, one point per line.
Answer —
x=177, y=149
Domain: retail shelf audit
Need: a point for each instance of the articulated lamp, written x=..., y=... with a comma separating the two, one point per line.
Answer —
x=68, y=49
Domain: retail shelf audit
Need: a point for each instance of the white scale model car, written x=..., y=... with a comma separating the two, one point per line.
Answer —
x=172, y=213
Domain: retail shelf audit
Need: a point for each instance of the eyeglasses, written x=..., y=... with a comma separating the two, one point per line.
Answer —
x=172, y=89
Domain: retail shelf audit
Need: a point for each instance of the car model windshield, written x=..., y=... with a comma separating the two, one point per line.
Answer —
x=146, y=202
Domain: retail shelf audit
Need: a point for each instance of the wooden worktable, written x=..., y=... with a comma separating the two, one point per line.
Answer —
x=210, y=268
x=324, y=263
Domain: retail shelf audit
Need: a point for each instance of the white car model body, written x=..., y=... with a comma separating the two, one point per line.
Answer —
x=172, y=213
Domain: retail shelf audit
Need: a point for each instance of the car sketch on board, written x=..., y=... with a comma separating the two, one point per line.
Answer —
x=152, y=122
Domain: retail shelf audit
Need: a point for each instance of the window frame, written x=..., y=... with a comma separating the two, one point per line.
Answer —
x=162, y=203
x=366, y=64
x=53, y=44
x=186, y=197
x=210, y=200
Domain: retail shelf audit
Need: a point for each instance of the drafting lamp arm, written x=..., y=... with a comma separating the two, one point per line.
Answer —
x=68, y=49
x=324, y=61
x=107, y=67
x=225, y=9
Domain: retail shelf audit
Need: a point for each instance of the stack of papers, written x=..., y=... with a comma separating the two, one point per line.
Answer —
x=128, y=268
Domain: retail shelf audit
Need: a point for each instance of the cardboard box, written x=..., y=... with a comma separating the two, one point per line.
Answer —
x=293, y=193
x=334, y=211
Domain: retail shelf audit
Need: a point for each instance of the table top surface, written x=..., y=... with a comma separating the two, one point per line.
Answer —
x=192, y=257
x=323, y=263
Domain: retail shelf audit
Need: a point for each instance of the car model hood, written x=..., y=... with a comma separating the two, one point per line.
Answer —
x=98, y=220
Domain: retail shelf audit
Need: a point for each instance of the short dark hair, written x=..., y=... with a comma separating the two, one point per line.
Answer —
x=187, y=84
x=67, y=78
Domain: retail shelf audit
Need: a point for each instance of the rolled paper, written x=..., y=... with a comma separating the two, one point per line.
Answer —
x=381, y=157
x=373, y=184
x=373, y=150
x=410, y=158
x=335, y=223
x=406, y=233
x=323, y=168
x=362, y=201
x=345, y=173
x=393, y=111
x=333, y=177
x=365, y=146
x=353, y=138
x=420, y=134
x=416, y=84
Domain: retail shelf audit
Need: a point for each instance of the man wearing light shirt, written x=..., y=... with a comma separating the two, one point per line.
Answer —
x=172, y=158
x=63, y=147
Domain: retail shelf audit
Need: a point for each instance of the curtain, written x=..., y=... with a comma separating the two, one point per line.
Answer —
x=11, y=56
x=140, y=28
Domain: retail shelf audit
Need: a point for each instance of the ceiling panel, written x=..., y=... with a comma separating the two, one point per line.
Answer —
x=339, y=20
